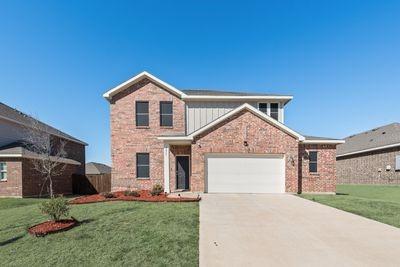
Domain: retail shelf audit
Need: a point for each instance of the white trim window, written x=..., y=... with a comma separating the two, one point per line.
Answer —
x=3, y=171
x=274, y=111
x=397, y=166
x=263, y=107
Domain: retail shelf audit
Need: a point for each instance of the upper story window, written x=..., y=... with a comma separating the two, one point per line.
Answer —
x=166, y=113
x=142, y=113
x=313, y=161
x=3, y=171
x=263, y=107
x=274, y=112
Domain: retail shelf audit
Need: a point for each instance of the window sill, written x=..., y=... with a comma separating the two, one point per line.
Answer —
x=142, y=127
x=3, y=180
x=167, y=127
x=142, y=178
x=314, y=173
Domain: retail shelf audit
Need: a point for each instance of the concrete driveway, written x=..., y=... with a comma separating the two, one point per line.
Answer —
x=285, y=230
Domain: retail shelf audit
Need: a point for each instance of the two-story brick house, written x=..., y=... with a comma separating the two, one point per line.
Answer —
x=211, y=141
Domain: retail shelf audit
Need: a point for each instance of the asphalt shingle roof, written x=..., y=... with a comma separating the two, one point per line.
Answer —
x=97, y=168
x=24, y=119
x=223, y=93
x=377, y=137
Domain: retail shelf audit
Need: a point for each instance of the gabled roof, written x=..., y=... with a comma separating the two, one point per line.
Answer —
x=97, y=168
x=143, y=75
x=10, y=114
x=231, y=113
x=195, y=94
x=378, y=138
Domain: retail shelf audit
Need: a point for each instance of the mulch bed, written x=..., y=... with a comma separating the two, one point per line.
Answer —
x=145, y=196
x=51, y=227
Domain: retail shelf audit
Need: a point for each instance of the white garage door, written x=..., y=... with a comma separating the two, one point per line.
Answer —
x=232, y=173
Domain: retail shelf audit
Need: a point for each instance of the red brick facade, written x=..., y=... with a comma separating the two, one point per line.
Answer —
x=324, y=180
x=24, y=181
x=227, y=137
x=127, y=139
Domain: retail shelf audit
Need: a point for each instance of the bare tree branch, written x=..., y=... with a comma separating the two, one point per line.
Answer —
x=48, y=150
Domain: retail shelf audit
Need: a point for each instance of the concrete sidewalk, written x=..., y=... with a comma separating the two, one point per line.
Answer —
x=285, y=230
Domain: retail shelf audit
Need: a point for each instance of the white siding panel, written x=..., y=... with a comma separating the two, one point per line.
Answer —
x=201, y=113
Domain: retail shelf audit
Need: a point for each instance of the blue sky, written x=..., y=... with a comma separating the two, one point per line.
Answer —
x=339, y=59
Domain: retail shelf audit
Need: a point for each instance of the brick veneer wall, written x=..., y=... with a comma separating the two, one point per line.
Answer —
x=24, y=181
x=324, y=180
x=364, y=168
x=32, y=180
x=13, y=186
x=127, y=139
x=229, y=137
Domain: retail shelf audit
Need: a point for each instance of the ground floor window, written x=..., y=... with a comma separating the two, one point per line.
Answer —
x=3, y=171
x=313, y=161
x=142, y=165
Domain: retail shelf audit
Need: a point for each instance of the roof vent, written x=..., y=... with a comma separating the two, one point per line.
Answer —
x=371, y=140
x=374, y=129
x=383, y=132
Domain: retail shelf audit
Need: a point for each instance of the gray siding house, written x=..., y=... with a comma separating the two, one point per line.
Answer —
x=371, y=157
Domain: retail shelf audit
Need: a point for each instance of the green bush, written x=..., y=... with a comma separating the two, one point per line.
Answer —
x=130, y=193
x=107, y=194
x=55, y=208
x=156, y=190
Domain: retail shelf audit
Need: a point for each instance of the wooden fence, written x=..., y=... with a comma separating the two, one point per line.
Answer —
x=91, y=183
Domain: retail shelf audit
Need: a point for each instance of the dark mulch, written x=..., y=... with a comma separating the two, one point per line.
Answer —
x=50, y=227
x=145, y=196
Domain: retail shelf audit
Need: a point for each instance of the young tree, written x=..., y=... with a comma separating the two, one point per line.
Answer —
x=48, y=152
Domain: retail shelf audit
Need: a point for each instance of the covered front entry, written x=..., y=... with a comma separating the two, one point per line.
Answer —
x=182, y=172
x=245, y=173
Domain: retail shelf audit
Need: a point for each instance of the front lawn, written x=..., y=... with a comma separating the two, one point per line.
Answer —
x=112, y=233
x=377, y=202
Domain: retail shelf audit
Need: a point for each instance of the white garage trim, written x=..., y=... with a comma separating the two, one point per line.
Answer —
x=223, y=175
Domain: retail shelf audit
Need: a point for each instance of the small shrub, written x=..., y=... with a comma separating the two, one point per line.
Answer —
x=55, y=208
x=107, y=194
x=130, y=193
x=156, y=190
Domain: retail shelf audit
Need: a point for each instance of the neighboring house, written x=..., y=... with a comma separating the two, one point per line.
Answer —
x=18, y=177
x=94, y=168
x=211, y=141
x=371, y=157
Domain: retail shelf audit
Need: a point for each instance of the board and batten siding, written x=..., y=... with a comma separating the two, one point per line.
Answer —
x=201, y=113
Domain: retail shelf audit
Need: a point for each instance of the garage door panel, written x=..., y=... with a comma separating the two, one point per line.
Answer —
x=245, y=174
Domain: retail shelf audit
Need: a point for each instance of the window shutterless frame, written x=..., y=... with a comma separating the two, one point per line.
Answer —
x=274, y=111
x=263, y=107
x=313, y=162
x=3, y=171
x=142, y=113
x=142, y=165
x=166, y=113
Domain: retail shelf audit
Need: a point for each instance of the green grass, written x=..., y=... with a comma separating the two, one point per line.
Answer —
x=377, y=202
x=112, y=233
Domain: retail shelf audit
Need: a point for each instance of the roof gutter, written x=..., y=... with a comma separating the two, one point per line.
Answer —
x=368, y=150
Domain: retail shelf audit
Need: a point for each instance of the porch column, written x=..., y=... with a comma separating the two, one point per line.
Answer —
x=166, y=168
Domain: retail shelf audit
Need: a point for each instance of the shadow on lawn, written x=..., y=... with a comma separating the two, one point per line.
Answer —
x=342, y=194
x=11, y=240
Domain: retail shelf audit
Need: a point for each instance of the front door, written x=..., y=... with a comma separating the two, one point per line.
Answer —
x=182, y=172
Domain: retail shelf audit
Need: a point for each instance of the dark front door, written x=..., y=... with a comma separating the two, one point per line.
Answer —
x=182, y=172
